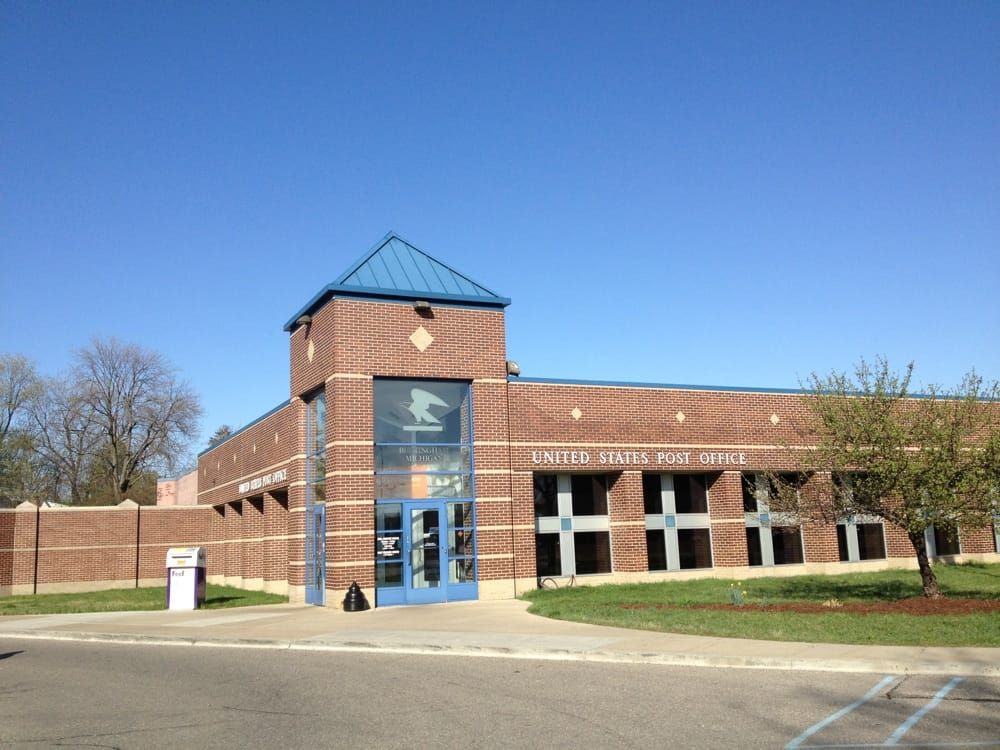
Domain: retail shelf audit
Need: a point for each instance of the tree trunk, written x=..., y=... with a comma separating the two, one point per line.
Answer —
x=927, y=577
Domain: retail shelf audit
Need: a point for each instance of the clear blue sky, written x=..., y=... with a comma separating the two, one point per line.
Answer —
x=708, y=193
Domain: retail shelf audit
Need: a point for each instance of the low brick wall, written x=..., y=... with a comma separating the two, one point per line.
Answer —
x=51, y=550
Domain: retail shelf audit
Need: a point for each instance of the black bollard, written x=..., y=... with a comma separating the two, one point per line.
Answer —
x=355, y=600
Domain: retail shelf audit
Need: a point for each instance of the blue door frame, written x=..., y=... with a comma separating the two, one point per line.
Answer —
x=316, y=555
x=429, y=569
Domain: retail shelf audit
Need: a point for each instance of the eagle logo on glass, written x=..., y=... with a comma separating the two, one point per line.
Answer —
x=421, y=402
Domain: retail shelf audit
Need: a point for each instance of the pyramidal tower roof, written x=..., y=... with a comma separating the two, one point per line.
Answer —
x=394, y=269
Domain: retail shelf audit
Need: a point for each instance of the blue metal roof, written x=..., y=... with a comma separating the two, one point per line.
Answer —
x=394, y=269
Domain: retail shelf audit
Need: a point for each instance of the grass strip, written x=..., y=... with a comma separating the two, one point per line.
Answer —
x=704, y=607
x=128, y=600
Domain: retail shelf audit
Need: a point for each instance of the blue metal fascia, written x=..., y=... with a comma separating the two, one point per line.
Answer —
x=247, y=426
x=682, y=387
x=662, y=386
x=396, y=294
x=309, y=306
x=393, y=295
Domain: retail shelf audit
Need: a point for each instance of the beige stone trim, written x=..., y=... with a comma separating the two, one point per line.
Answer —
x=492, y=472
x=350, y=564
x=496, y=556
x=351, y=533
x=349, y=376
x=352, y=473
x=493, y=499
x=611, y=386
x=296, y=594
x=172, y=508
x=505, y=588
x=494, y=381
x=558, y=445
x=619, y=524
x=349, y=503
x=507, y=527
x=97, y=508
x=275, y=587
x=490, y=443
x=351, y=443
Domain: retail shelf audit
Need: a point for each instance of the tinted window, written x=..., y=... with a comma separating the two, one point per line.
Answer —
x=593, y=552
x=695, y=548
x=547, y=555
x=787, y=541
x=690, y=495
x=750, y=494
x=590, y=495
x=652, y=500
x=656, y=552
x=546, y=495
x=871, y=544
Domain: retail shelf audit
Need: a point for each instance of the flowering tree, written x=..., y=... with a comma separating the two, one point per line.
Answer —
x=914, y=461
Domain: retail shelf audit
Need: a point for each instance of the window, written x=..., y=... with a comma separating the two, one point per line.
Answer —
x=942, y=542
x=859, y=537
x=423, y=451
x=678, y=530
x=772, y=538
x=857, y=540
x=572, y=533
x=423, y=440
x=316, y=449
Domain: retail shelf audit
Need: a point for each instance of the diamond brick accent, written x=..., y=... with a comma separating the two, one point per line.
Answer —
x=421, y=339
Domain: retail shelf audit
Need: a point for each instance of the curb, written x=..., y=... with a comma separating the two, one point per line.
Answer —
x=610, y=657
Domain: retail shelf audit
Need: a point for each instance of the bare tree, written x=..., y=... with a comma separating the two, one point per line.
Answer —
x=146, y=418
x=19, y=386
x=66, y=437
x=912, y=461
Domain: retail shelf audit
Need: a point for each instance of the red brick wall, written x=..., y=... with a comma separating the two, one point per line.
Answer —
x=82, y=547
x=258, y=450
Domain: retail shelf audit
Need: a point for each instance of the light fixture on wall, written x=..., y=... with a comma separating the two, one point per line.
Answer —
x=513, y=368
x=421, y=305
x=304, y=320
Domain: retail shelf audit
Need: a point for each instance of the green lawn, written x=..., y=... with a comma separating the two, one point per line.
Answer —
x=125, y=600
x=668, y=607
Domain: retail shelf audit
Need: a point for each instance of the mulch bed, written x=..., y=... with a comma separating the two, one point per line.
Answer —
x=918, y=605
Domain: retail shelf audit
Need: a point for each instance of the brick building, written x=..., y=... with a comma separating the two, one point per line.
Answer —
x=408, y=458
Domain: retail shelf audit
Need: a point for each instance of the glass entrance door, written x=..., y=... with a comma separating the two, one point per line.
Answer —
x=424, y=552
x=426, y=560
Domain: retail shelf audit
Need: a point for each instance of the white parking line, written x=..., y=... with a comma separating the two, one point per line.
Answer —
x=883, y=683
x=921, y=745
x=918, y=715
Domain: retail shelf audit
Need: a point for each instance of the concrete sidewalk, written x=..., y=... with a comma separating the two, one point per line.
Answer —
x=486, y=628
